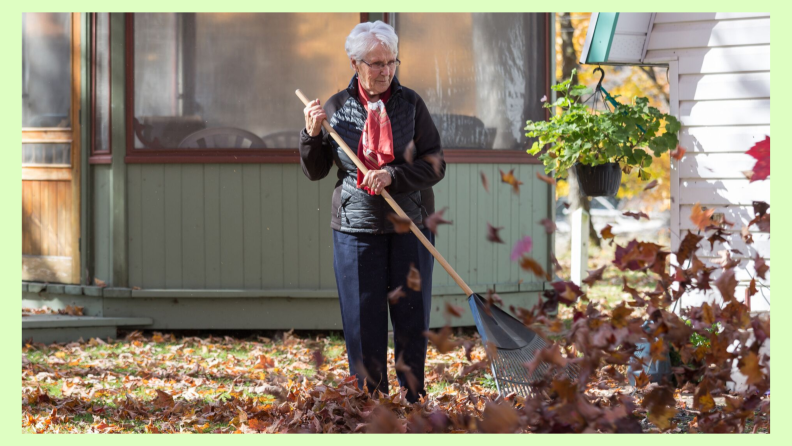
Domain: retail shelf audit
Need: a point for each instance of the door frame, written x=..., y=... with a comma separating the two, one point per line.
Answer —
x=73, y=135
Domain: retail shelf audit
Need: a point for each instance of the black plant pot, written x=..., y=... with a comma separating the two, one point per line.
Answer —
x=599, y=181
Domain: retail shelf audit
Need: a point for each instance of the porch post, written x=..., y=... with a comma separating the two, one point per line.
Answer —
x=118, y=217
x=580, y=240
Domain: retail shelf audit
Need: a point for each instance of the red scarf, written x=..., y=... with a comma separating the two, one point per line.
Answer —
x=375, y=148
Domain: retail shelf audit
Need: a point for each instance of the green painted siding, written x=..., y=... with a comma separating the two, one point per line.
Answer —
x=265, y=226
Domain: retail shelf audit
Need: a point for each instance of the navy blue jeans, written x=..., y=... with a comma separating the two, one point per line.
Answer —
x=367, y=267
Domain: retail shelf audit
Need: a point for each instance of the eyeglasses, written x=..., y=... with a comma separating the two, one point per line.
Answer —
x=379, y=66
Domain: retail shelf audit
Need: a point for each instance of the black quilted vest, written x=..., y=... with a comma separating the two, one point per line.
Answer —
x=355, y=210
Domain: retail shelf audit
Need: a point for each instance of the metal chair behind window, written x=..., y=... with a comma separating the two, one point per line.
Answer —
x=222, y=138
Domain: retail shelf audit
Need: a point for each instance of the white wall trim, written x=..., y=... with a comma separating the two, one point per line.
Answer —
x=673, y=83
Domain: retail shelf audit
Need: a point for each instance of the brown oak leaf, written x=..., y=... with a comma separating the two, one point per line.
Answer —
x=435, y=219
x=400, y=224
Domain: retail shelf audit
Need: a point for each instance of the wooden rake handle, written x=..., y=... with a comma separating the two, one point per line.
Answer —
x=326, y=125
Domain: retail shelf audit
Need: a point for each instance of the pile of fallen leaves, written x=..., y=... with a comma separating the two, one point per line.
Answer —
x=720, y=380
x=163, y=383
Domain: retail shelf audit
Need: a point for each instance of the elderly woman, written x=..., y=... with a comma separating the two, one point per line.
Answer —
x=390, y=128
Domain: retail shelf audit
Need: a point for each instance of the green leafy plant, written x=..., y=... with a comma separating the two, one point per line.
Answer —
x=630, y=135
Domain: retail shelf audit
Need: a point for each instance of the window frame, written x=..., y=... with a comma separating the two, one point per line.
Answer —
x=291, y=155
x=100, y=156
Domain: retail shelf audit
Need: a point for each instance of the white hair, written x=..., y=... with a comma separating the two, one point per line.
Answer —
x=366, y=36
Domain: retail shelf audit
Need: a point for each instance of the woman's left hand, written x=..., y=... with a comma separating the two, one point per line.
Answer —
x=376, y=180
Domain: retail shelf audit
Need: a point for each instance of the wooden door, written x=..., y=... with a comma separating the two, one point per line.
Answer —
x=51, y=147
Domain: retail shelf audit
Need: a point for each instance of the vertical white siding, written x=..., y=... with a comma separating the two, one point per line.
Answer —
x=721, y=94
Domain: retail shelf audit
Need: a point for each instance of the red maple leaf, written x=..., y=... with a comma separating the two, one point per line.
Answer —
x=760, y=151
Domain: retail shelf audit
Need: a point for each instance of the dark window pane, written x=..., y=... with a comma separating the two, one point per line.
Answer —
x=481, y=75
x=102, y=118
x=46, y=154
x=234, y=71
x=46, y=69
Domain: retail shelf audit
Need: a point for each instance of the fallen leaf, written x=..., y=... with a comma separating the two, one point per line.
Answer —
x=746, y=235
x=606, y=232
x=396, y=294
x=652, y=184
x=658, y=350
x=550, y=355
x=556, y=266
x=264, y=362
x=702, y=399
x=688, y=246
x=522, y=246
x=441, y=340
x=760, y=266
x=318, y=358
x=761, y=152
x=760, y=208
x=484, y=181
x=414, y=278
x=642, y=380
x=453, y=310
x=400, y=224
x=499, y=418
x=620, y=315
x=435, y=219
x=549, y=225
x=435, y=161
x=258, y=425
x=533, y=266
x=510, y=179
x=661, y=406
x=750, y=291
x=492, y=233
x=726, y=284
x=749, y=366
x=549, y=180
x=717, y=236
x=678, y=153
x=163, y=399
x=409, y=152
x=594, y=275
x=567, y=292
x=701, y=218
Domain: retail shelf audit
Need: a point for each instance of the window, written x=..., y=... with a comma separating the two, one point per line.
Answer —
x=213, y=87
x=482, y=76
x=46, y=73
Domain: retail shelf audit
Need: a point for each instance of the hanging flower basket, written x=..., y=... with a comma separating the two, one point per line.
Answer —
x=602, y=180
x=600, y=145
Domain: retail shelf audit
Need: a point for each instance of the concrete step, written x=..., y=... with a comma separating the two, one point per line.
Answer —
x=49, y=328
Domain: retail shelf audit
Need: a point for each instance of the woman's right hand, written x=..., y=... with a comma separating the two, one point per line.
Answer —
x=314, y=115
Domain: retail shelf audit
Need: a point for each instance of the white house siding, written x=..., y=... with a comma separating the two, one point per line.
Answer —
x=720, y=69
